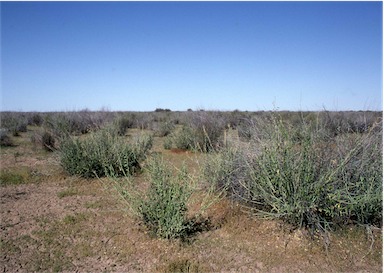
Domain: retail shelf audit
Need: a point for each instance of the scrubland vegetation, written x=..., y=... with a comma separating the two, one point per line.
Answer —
x=315, y=172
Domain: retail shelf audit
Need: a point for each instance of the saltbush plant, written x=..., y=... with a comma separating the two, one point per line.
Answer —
x=14, y=122
x=5, y=139
x=163, y=205
x=124, y=123
x=63, y=124
x=202, y=132
x=102, y=153
x=307, y=181
x=163, y=129
x=164, y=210
x=48, y=142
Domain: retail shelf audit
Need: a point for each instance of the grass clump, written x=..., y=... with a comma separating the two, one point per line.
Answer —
x=182, y=266
x=15, y=176
x=102, y=153
x=67, y=192
x=11, y=178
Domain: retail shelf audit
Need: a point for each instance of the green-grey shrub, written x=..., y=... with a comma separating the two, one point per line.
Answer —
x=308, y=182
x=5, y=139
x=124, y=123
x=35, y=119
x=63, y=124
x=164, y=210
x=163, y=205
x=102, y=153
x=203, y=132
x=164, y=128
x=14, y=122
x=167, y=144
x=185, y=139
x=208, y=128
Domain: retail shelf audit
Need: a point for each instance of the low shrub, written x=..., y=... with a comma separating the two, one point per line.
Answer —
x=306, y=181
x=164, y=128
x=14, y=122
x=184, y=139
x=163, y=206
x=208, y=128
x=202, y=132
x=167, y=144
x=124, y=123
x=48, y=141
x=164, y=211
x=5, y=139
x=63, y=124
x=102, y=153
x=35, y=119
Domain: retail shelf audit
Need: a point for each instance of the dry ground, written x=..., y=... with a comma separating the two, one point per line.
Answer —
x=53, y=222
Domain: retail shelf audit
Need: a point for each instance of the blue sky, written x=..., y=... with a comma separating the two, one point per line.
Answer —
x=139, y=56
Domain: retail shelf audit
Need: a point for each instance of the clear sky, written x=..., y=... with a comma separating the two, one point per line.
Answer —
x=139, y=56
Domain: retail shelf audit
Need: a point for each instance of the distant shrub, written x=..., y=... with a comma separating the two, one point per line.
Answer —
x=22, y=127
x=14, y=122
x=103, y=153
x=5, y=140
x=167, y=144
x=124, y=123
x=162, y=110
x=48, y=142
x=184, y=139
x=203, y=132
x=35, y=119
x=164, y=128
x=74, y=123
x=244, y=129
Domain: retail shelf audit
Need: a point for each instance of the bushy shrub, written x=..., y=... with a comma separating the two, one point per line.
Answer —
x=102, y=153
x=124, y=123
x=5, y=139
x=75, y=123
x=35, y=119
x=164, y=129
x=307, y=181
x=14, y=122
x=164, y=210
x=202, y=132
x=228, y=171
x=184, y=139
x=163, y=205
x=167, y=144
